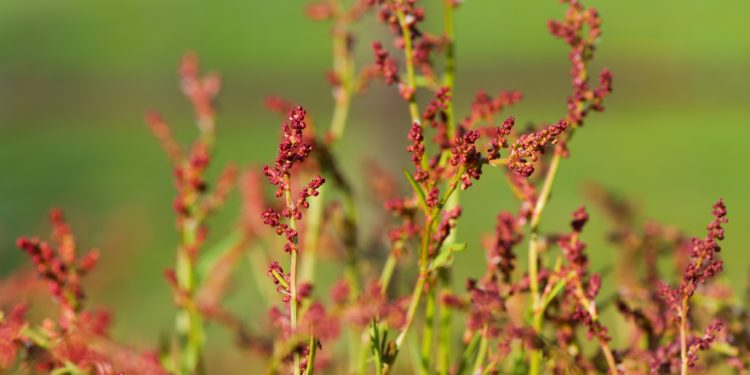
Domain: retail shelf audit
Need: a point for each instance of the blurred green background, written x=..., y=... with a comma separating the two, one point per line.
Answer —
x=77, y=76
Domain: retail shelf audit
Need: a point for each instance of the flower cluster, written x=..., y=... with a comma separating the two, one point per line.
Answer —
x=528, y=148
x=465, y=154
x=385, y=64
x=484, y=107
x=499, y=248
x=200, y=90
x=417, y=150
x=78, y=341
x=500, y=140
x=435, y=114
x=581, y=30
x=705, y=263
x=292, y=150
x=60, y=266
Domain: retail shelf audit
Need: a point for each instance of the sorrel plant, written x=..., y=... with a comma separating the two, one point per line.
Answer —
x=546, y=316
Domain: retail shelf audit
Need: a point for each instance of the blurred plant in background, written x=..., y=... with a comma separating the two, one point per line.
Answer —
x=395, y=290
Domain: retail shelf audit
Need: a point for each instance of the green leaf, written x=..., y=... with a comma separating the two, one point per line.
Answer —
x=445, y=257
x=468, y=353
x=556, y=289
x=209, y=257
x=417, y=189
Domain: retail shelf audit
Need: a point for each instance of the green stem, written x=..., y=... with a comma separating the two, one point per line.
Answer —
x=343, y=66
x=409, y=55
x=314, y=219
x=310, y=369
x=292, y=273
x=413, y=305
x=419, y=287
x=683, y=337
x=538, y=312
x=482, y=353
x=449, y=77
x=445, y=331
x=189, y=321
x=428, y=334
x=387, y=273
x=467, y=353
x=258, y=260
x=549, y=180
x=352, y=257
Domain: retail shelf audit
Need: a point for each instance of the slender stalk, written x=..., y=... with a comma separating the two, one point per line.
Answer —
x=428, y=334
x=293, y=305
x=467, y=353
x=541, y=202
x=683, y=337
x=189, y=322
x=343, y=67
x=424, y=271
x=538, y=312
x=445, y=331
x=387, y=273
x=413, y=305
x=385, y=279
x=482, y=353
x=535, y=355
x=311, y=239
x=418, y=288
x=292, y=273
x=609, y=357
x=414, y=113
x=352, y=257
x=409, y=55
x=590, y=306
x=258, y=260
x=449, y=77
x=310, y=369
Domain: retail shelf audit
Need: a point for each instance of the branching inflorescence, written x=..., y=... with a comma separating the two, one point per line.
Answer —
x=552, y=315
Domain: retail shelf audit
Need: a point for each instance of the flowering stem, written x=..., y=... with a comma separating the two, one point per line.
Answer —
x=538, y=311
x=468, y=351
x=428, y=334
x=449, y=77
x=258, y=259
x=590, y=306
x=387, y=273
x=352, y=257
x=444, y=334
x=683, y=336
x=292, y=271
x=419, y=287
x=549, y=180
x=409, y=52
x=424, y=271
x=343, y=67
x=311, y=239
x=482, y=353
x=189, y=321
x=310, y=369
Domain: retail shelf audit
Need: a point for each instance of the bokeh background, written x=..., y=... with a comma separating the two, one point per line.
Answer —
x=77, y=76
